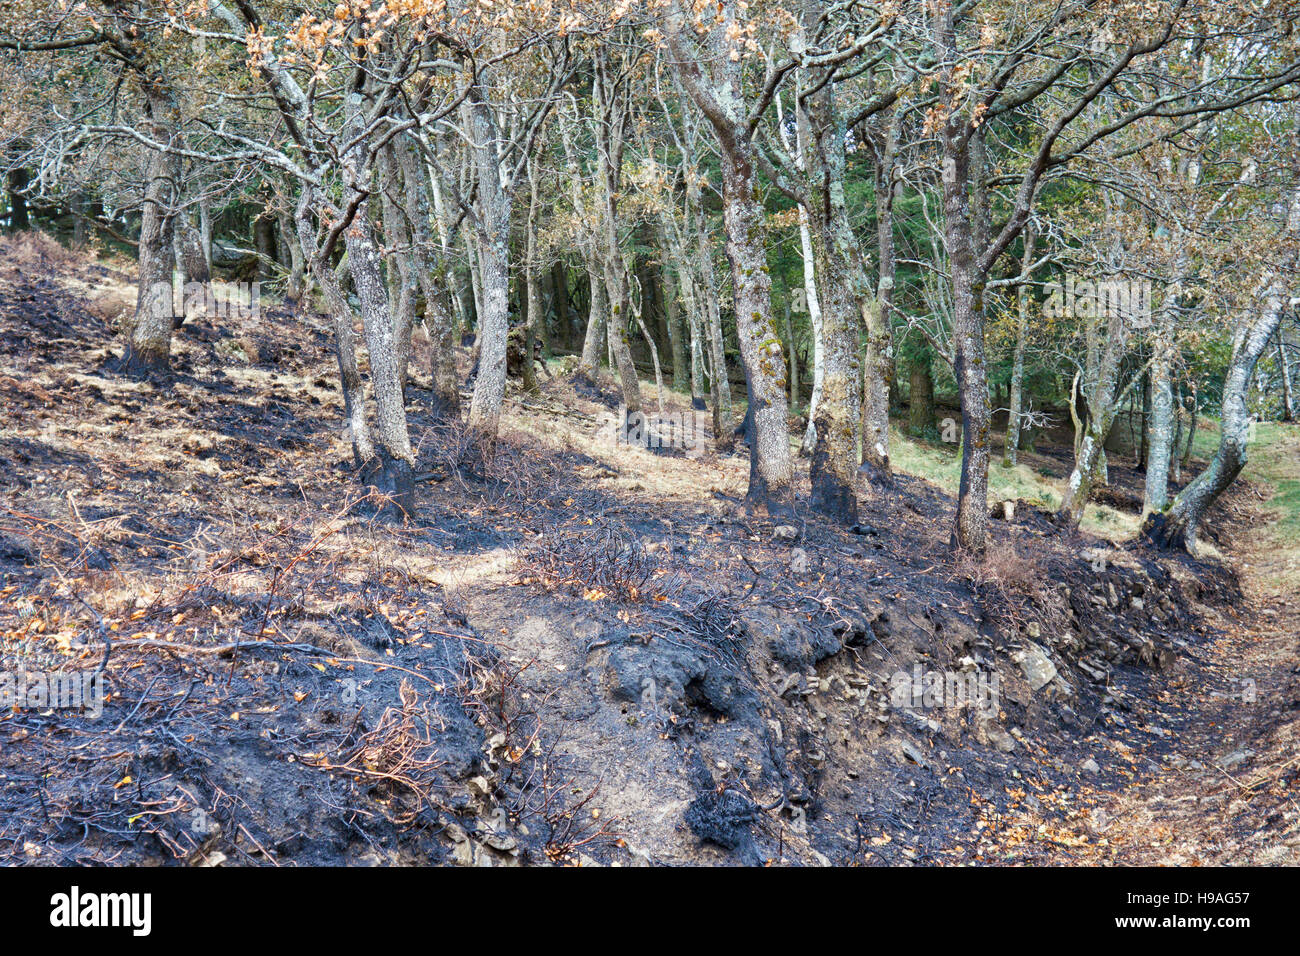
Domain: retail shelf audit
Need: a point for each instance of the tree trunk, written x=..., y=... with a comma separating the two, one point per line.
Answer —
x=720, y=386
x=879, y=370
x=1090, y=458
x=296, y=288
x=431, y=273
x=1160, y=447
x=1284, y=369
x=920, y=408
x=532, y=290
x=1191, y=426
x=1015, y=402
x=593, y=343
x=494, y=237
x=770, y=470
x=354, y=395
x=971, y=527
x=395, y=478
x=1178, y=527
x=833, y=470
x=19, y=219
x=149, y=348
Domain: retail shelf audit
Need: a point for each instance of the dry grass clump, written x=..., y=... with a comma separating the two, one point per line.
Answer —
x=32, y=251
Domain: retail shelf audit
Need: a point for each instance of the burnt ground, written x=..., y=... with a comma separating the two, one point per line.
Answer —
x=578, y=652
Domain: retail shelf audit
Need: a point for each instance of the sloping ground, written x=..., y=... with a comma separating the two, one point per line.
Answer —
x=1226, y=793
x=579, y=652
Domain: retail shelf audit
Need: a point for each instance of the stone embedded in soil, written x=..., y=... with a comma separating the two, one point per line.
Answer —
x=1038, y=667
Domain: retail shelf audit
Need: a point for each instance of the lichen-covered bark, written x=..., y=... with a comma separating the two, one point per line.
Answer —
x=1178, y=527
x=833, y=470
x=878, y=380
x=494, y=236
x=971, y=527
x=354, y=396
x=148, y=348
x=771, y=471
x=395, y=477
x=431, y=274
x=593, y=342
x=1161, y=427
x=1090, y=455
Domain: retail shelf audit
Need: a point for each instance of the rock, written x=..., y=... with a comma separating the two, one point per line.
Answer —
x=912, y=753
x=1236, y=757
x=799, y=561
x=1038, y=667
x=480, y=787
x=1090, y=766
x=785, y=532
x=1001, y=739
x=500, y=841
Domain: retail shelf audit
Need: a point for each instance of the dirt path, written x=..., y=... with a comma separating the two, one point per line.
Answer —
x=1226, y=791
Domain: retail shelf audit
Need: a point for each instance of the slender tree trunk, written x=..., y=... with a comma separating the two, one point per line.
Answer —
x=719, y=382
x=19, y=219
x=1179, y=526
x=354, y=395
x=402, y=267
x=593, y=343
x=793, y=357
x=1284, y=369
x=1162, y=441
x=971, y=528
x=1102, y=408
x=813, y=301
x=532, y=293
x=296, y=288
x=431, y=273
x=1015, y=403
x=560, y=282
x=833, y=470
x=1191, y=426
x=770, y=471
x=878, y=380
x=1175, y=460
x=920, y=410
x=494, y=229
x=396, y=460
x=671, y=242
x=264, y=244
x=149, y=348
x=205, y=230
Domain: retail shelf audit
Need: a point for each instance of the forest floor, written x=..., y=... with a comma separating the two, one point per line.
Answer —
x=581, y=652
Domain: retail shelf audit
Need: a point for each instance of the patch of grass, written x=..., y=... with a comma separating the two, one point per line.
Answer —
x=941, y=466
x=1275, y=459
